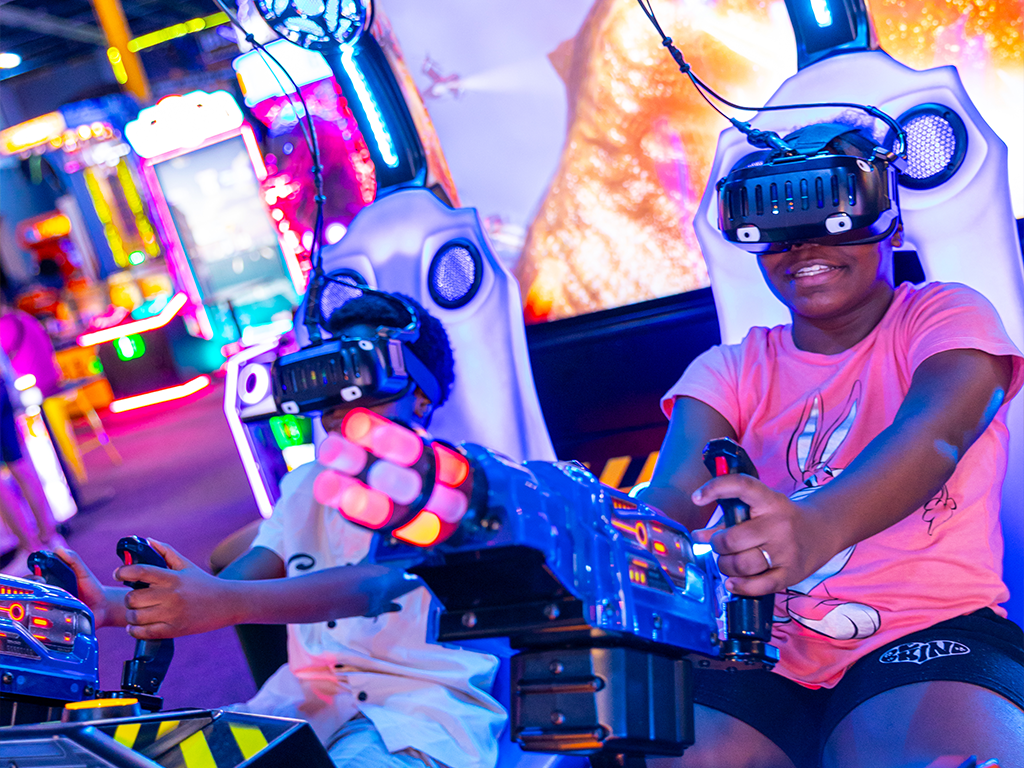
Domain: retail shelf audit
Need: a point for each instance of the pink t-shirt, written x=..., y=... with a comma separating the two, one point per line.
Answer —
x=803, y=417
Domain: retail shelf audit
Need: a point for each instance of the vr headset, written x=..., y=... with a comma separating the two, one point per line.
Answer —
x=775, y=198
x=355, y=370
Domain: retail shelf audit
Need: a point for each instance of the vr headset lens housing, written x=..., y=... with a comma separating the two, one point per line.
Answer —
x=820, y=197
x=357, y=371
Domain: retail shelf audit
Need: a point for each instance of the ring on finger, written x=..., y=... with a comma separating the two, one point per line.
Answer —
x=767, y=558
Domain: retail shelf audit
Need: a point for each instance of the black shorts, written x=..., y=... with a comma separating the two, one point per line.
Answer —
x=981, y=648
x=10, y=450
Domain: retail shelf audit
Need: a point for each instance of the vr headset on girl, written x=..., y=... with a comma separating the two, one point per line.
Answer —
x=807, y=193
x=345, y=369
x=796, y=189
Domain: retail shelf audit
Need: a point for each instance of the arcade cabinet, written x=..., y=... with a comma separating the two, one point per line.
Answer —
x=203, y=169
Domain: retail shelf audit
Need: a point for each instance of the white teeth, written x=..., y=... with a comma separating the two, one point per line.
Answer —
x=815, y=269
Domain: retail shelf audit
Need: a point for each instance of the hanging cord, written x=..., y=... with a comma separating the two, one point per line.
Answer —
x=312, y=313
x=766, y=139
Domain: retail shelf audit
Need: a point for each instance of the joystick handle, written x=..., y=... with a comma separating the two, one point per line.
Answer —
x=53, y=571
x=725, y=457
x=748, y=620
x=143, y=674
x=135, y=550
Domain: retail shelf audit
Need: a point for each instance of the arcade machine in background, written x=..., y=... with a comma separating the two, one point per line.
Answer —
x=49, y=238
x=103, y=240
x=374, y=134
x=349, y=178
x=203, y=168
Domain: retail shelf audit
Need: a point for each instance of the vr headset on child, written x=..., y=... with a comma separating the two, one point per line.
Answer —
x=774, y=198
x=353, y=370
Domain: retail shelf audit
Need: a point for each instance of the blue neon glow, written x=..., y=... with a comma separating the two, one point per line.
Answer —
x=822, y=13
x=385, y=145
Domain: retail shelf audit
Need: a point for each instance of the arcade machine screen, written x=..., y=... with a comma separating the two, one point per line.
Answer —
x=214, y=199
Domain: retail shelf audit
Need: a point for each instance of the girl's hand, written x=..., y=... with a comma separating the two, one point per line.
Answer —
x=781, y=544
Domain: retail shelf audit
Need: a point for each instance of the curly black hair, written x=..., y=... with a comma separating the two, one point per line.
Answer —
x=432, y=347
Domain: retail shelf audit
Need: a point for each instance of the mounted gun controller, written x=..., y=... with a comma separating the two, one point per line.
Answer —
x=602, y=596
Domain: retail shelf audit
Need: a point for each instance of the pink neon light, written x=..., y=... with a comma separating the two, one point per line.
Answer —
x=254, y=152
x=160, y=395
x=139, y=326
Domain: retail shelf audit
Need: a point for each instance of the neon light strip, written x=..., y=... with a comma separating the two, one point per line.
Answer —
x=139, y=326
x=238, y=431
x=181, y=270
x=159, y=395
x=380, y=131
x=254, y=152
x=177, y=30
x=43, y=456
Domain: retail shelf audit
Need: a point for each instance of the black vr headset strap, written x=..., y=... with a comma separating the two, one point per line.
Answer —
x=422, y=376
x=812, y=139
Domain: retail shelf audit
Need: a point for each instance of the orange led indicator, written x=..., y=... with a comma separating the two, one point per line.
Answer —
x=639, y=531
x=99, y=703
x=452, y=467
x=424, y=530
x=659, y=547
x=37, y=622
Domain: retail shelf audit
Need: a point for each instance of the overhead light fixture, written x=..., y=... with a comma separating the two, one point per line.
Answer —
x=9, y=60
x=316, y=24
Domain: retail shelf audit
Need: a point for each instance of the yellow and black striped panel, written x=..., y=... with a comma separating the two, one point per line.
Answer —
x=195, y=742
x=625, y=472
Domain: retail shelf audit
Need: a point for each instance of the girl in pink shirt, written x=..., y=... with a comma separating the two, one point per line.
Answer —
x=876, y=420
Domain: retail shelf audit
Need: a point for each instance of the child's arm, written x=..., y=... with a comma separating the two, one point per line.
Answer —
x=680, y=468
x=106, y=603
x=953, y=397
x=186, y=600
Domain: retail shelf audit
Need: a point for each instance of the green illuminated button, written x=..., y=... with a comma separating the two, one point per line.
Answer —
x=291, y=430
x=130, y=347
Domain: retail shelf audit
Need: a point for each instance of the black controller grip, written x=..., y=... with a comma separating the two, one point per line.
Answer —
x=135, y=550
x=724, y=456
x=53, y=571
x=748, y=619
x=143, y=674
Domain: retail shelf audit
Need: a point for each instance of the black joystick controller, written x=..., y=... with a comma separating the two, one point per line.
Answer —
x=143, y=674
x=54, y=571
x=748, y=620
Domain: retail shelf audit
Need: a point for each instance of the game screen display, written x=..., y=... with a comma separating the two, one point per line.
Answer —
x=614, y=225
x=214, y=198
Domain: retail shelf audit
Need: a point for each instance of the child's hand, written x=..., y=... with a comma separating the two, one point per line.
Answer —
x=182, y=599
x=781, y=544
x=388, y=586
x=104, y=602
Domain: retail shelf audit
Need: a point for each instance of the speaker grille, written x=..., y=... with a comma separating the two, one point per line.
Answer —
x=936, y=145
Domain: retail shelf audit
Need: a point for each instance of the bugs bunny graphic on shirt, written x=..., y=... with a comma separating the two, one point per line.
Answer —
x=811, y=449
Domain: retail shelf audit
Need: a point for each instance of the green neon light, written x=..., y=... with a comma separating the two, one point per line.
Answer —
x=291, y=430
x=130, y=347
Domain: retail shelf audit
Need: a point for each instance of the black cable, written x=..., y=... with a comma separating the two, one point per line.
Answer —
x=768, y=139
x=308, y=135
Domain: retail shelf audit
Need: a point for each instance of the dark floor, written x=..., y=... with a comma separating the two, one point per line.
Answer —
x=181, y=482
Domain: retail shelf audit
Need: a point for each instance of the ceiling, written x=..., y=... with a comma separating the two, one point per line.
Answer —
x=50, y=32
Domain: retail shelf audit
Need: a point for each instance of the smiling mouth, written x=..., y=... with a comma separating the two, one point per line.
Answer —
x=812, y=270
